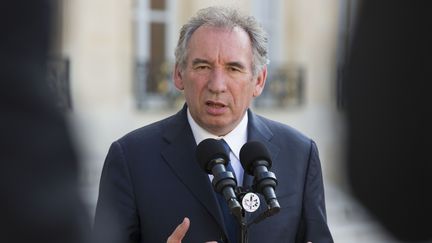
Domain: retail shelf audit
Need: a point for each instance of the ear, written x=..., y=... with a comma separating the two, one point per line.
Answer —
x=178, y=77
x=260, y=82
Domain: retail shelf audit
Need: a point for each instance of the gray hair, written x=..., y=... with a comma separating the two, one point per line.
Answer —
x=225, y=18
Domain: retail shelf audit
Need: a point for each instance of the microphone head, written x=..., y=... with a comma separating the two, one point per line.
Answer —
x=251, y=152
x=207, y=151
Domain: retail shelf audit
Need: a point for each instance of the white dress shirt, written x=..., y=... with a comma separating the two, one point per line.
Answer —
x=235, y=139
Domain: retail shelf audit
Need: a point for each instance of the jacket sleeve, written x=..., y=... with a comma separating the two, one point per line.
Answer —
x=314, y=220
x=116, y=218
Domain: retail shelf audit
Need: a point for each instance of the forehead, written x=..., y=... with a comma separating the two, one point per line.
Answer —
x=211, y=42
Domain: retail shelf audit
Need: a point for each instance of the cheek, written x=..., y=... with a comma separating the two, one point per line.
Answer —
x=193, y=91
x=243, y=93
x=195, y=81
x=193, y=88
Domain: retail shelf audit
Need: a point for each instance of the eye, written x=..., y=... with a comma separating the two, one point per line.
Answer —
x=201, y=67
x=234, y=69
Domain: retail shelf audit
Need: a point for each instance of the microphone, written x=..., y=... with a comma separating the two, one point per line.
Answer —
x=256, y=161
x=212, y=158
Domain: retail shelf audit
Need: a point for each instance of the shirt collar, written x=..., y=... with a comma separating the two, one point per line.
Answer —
x=235, y=139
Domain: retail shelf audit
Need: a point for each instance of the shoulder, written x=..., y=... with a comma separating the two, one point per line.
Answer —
x=283, y=131
x=152, y=134
x=145, y=131
x=288, y=140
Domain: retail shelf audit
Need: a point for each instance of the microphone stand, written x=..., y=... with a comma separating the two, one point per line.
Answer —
x=241, y=217
x=243, y=229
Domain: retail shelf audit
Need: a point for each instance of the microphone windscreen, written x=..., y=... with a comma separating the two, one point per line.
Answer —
x=253, y=151
x=208, y=150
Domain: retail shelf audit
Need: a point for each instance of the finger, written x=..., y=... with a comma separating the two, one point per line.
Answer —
x=179, y=232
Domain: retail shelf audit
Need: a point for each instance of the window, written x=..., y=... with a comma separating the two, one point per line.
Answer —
x=154, y=53
x=284, y=85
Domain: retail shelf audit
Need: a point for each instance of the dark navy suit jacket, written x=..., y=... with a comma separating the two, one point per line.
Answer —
x=151, y=181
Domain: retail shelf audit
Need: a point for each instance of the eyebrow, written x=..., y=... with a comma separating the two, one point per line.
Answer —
x=236, y=64
x=199, y=61
x=203, y=61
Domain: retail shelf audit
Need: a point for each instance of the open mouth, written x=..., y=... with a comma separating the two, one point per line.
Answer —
x=213, y=104
x=215, y=108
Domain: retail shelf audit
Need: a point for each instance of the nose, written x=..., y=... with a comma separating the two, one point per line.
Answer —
x=217, y=82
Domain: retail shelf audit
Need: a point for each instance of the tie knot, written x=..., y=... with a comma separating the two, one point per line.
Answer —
x=228, y=150
x=226, y=146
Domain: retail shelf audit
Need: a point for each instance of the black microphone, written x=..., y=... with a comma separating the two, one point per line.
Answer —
x=212, y=158
x=256, y=161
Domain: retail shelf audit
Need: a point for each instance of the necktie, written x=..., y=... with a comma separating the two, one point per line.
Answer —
x=232, y=227
x=228, y=151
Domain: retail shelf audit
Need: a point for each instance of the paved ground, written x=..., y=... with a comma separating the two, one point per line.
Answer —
x=349, y=222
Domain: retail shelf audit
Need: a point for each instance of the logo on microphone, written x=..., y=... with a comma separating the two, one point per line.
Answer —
x=250, y=202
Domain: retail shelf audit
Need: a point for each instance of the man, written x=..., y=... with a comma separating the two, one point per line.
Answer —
x=151, y=180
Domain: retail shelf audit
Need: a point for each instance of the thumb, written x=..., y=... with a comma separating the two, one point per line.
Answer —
x=179, y=232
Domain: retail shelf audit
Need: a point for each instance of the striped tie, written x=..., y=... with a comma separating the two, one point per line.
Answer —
x=230, y=221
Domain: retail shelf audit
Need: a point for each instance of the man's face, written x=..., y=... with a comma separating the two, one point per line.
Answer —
x=218, y=82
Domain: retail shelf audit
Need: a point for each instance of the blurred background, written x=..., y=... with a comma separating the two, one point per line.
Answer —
x=111, y=65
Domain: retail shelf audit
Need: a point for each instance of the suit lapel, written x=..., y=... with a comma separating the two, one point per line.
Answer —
x=259, y=131
x=180, y=156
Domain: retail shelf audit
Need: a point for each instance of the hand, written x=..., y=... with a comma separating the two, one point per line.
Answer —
x=181, y=230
